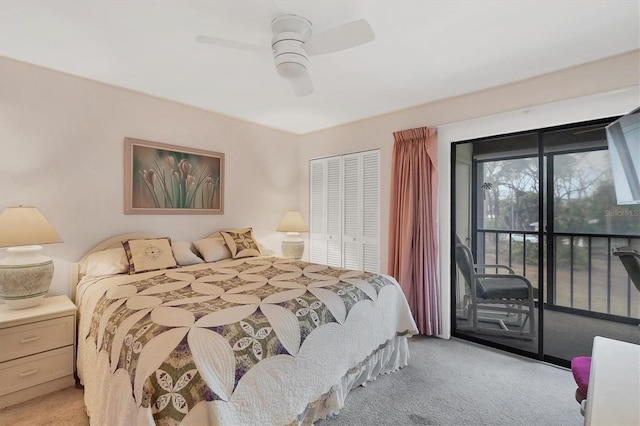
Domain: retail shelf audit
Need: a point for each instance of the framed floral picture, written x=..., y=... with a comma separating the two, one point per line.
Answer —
x=169, y=179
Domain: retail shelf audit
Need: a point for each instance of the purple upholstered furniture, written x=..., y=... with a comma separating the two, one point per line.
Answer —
x=580, y=367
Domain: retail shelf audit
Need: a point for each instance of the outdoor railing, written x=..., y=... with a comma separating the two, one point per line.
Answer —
x=587, y=278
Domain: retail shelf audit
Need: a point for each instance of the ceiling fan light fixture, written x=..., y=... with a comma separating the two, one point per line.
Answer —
x=291, y=70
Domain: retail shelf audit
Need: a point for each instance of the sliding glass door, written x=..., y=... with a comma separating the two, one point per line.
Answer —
x=591, y=293
x=541, y=205
x=504, y=207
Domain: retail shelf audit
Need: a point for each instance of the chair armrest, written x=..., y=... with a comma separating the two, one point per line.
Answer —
x=496, y=267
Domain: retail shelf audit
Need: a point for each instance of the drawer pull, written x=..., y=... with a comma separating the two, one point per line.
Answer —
x=30, y=339
x=29, y=373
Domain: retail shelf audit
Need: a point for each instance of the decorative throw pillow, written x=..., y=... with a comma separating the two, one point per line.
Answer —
x=149, y=255
x=212, y=249
x=241, y=243
x=183, y=254
x=105, y=262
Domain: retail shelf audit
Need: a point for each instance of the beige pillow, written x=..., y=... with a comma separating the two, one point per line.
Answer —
x=183, y=253
x=264, y=250
x=105, y=262
x=241, y=243
x=212, y=249
x=149, y=255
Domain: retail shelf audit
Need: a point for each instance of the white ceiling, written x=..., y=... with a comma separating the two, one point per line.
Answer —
x=424, y=50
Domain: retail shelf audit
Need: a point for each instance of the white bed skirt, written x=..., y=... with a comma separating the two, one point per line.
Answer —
x=120, y=407
x=386, y=359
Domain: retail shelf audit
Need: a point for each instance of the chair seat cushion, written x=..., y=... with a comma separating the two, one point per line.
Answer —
x=502, y=288
x=580, y=367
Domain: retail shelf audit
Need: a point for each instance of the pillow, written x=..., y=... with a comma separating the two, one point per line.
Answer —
x=212, y=249
x=264, y=250
x=241, y=243
x=149, y=255
x=105, y=262
x=183, y=254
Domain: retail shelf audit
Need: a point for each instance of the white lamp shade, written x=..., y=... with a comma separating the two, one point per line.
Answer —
x=292, y=222
x=25, y=226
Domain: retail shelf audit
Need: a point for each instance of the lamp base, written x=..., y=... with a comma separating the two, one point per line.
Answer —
x=293, y=246
x=25, y=277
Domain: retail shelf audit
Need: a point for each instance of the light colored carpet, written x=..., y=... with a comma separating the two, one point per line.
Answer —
x=447, y=382
x=64, y=407
x=455, y=382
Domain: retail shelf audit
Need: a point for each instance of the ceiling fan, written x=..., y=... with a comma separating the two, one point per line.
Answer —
x=292, y=44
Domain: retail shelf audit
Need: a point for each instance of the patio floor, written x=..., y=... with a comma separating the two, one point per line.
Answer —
x=566, y=335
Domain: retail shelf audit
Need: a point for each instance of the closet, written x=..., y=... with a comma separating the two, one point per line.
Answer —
x=344, y=222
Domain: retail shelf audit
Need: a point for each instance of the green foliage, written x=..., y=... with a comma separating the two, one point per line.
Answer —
x=563, y=255
x=597, y=213
x=510, y=193
x=531, y=258
x=584, y=195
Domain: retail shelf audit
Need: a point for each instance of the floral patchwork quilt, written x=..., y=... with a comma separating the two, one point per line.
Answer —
x=238, y=341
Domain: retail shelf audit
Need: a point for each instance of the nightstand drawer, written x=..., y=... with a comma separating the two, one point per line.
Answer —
x=29, y=339
x=35, y=369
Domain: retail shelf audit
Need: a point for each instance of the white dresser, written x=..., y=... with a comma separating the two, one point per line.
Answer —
x=37, y=349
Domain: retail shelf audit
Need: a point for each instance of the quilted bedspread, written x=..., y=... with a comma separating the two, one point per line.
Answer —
x=239, y=341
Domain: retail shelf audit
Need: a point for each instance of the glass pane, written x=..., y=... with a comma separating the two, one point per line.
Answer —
x=584, y=197
x=508, y=195
x=590, y=294
x=504, y=203
x=625, y=298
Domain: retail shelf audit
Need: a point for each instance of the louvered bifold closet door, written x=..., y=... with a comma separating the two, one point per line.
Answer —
x=345, y=211
x=352, y=212
x=318, y=212
x=334, y=211
x=371, y=211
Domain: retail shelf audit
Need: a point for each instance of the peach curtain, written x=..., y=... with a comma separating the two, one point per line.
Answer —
x=413, y=227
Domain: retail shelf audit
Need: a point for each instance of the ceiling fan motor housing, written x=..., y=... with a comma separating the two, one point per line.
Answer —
x=289, y=33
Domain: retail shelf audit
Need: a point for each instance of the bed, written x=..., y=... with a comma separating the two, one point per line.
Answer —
x=247, y=340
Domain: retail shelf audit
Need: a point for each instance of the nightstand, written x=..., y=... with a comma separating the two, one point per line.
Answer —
x=37, y=349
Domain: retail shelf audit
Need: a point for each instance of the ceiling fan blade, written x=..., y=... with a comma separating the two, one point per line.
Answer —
x=231, y=44
x=302, y=86
x=339, y=38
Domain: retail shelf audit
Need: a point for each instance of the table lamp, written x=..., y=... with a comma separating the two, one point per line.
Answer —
x=25, y=276
x=293, y=224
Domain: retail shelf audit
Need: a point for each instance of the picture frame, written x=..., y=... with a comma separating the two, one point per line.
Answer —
x=160, y=178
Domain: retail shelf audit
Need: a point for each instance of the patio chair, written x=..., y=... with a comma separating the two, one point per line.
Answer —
x=630, y=258
x=499, y=303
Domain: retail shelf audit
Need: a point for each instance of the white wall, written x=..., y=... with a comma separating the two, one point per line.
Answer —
x=61, y=150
